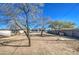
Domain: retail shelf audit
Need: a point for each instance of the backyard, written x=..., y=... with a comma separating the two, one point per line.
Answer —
x=47, y=45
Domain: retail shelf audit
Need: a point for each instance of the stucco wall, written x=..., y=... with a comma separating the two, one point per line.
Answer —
x=5, y=33
x=72, y=33
x=68, y=32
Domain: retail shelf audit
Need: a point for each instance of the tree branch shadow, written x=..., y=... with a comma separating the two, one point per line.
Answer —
x=3, y=36
x=6, y=43
x=44, y=35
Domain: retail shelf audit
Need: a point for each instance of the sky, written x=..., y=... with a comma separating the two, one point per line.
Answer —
x=63, y=11
x=59, y=11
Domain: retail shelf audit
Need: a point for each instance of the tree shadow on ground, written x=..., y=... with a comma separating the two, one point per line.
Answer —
x=3, y=36
x=44, y=35
x=6, y=43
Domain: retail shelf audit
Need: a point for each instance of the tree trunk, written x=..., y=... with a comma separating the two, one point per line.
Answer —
x=26, y=33
x=41, y=32
x=27, y=25
x=28, y=36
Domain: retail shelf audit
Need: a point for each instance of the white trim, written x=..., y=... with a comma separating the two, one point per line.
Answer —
x=5, y=33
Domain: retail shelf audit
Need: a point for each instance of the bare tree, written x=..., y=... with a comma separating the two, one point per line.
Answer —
x=30, y=11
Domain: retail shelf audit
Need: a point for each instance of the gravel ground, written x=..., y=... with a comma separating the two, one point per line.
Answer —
x=47, y=45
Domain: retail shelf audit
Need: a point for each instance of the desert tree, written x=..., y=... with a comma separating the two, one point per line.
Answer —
x=69, y=25
x=29, y=11
x=44, y=24
x=58, y=25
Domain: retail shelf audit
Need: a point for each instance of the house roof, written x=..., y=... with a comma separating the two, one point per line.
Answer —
x=9, y=29
x=4, y=29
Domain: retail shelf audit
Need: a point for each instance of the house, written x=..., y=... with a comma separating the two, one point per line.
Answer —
x=5, y=32
x=66, y=32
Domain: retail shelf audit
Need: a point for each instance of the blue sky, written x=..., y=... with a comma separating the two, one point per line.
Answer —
x=59, y=11
x=63, y=11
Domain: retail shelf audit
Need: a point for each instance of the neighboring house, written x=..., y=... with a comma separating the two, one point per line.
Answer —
x=21, y=31
x=6, y=32
x=66, y=32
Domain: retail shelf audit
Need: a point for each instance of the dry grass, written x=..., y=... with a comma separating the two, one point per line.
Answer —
x=48, y=45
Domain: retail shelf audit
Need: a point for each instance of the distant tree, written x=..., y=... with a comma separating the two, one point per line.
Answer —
x=57, y=25
x=68, y=25
x=41, y=24
x=44, y=24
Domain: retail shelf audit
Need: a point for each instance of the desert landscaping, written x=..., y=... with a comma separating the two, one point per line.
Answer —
x=47, y=45
x=39, y=29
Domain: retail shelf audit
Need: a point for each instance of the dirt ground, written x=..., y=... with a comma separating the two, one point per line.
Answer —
x=47, y=45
